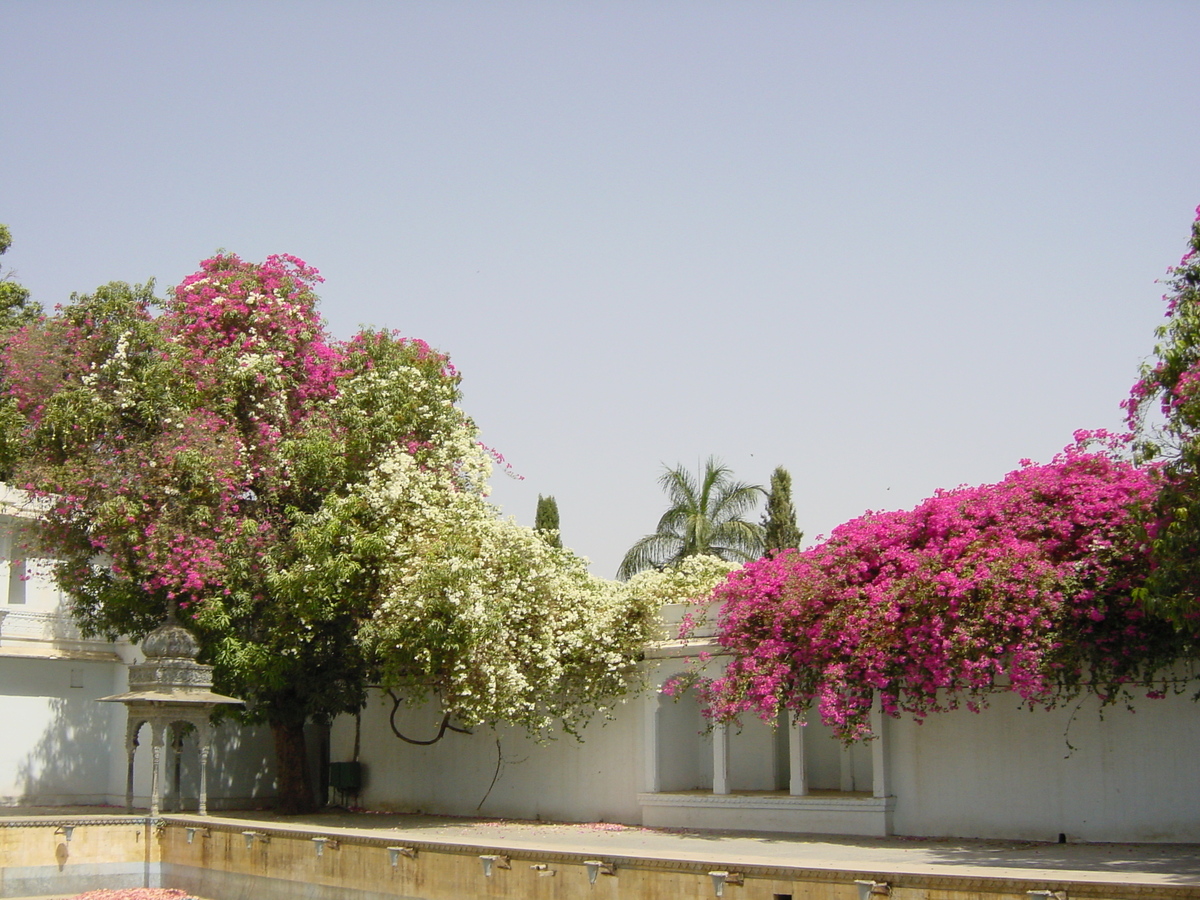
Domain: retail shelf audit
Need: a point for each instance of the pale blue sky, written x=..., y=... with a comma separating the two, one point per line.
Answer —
x=891, y=246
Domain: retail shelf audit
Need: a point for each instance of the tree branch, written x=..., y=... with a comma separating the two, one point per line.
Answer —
x=446, y=726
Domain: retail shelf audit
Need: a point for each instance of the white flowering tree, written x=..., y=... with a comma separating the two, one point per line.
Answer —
x=486, y=616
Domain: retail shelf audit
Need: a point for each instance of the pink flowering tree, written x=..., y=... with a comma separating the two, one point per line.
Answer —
x=1164, y=410
x=190, y=451
x=314, y=509
x=1025, y=585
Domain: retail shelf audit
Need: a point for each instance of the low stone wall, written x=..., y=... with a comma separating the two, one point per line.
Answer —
x=227, y=859
x=70, y=854
x=243, y=860
x=262, y=863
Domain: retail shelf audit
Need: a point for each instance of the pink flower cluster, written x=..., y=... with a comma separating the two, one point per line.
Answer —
x=1023, y=584
x=171, y=441
x=265, y=309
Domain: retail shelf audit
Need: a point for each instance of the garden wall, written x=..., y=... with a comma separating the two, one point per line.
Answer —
x=1004, y=773
x=564, y=780
x=1010, y=773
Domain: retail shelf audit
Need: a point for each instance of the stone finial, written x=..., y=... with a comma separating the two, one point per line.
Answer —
x=170, y=641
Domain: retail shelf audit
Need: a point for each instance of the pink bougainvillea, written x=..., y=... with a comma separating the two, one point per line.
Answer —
x=1025, y=585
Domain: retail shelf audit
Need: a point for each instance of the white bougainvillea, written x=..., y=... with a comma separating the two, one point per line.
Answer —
x=692, y=579
x=487, y=617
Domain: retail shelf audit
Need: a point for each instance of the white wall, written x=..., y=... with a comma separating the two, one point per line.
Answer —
x=59, y=746
x=54, y=745
x=1008, y=773
x=566, y=780
x=1004, y=773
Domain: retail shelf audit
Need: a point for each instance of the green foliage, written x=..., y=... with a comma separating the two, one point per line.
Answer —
x=706, y=516
x=779, y=521
x=16, y=308
x=545, y=522
x=1171, y=381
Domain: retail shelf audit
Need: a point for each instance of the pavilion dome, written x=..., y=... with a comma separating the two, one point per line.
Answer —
x=170, y=641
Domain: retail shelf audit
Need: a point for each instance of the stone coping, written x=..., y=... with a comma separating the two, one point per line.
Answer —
x=41, y=821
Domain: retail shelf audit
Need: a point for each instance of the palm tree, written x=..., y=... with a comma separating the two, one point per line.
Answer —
x=705, y=516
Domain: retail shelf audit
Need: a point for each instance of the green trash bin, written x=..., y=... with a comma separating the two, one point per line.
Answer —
x=346, y=778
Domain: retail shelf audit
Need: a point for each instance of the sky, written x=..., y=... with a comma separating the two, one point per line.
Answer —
x=893, y=247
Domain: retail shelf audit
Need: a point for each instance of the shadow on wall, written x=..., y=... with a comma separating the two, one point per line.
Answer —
x=69, y=762
x=241, y=767
x=80, y=758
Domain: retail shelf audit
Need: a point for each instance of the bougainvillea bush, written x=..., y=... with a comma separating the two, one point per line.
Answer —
x=692, y=579
x=219, y=455
x=1024, y=585
x=186, y=449
x=489, y=617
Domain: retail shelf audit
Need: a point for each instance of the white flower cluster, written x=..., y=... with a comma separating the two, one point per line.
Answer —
x=114, y=374
x=487, y=615
x=691, y=580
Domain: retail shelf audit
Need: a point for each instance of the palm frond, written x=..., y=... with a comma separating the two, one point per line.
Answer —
x=679, y=486
x=651, y=551
x=736, y=500
x=745, y=539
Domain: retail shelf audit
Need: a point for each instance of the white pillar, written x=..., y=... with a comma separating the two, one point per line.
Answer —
x=720, y=758
x=650, y=709
x=846, y=766
x=156, y=747
x=132, y=726
x=204, y=735
x=879, y=752
x=798, y=786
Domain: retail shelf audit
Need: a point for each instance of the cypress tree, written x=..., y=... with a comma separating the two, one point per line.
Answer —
x=545, y=522
x=779, y=521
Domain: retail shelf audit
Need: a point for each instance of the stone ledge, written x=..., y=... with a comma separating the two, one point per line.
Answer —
x=758, y=801
x=38, y=650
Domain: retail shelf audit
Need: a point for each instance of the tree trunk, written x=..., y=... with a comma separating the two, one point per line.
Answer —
x=324, y=735
x=291, y=761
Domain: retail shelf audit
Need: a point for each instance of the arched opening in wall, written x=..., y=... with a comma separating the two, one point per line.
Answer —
x=16, y=582
x=683, y=748
x=758, y=756
x=787, y=778
x=830, y=765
